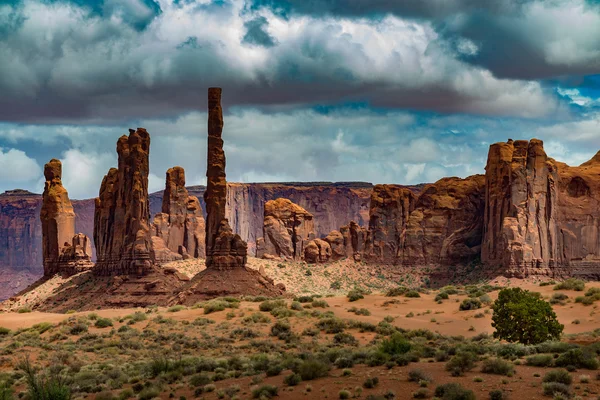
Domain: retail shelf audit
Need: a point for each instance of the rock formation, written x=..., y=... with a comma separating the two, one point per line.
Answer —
x=63, y=251
x=121, y=228
x=286, y=230
x=520, y=220
x=391, y=206
x=226, y=272
x=355, y=238
x=178, y=231
x=317, y=251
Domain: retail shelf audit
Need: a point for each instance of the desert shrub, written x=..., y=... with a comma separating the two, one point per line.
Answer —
x=319, y=304
x=24, y=310
x=103, y=323
x=469, y=304
x=200, y=380
x=395, y=345
x=522, y=316
x=274, y=369
x=416, y=375
x=371, y=382
x=215, y=306
x=497, y=366
x=462, y=362
x=149, y=393
x=331, y=325
x=265, y=392
x=281, y=312
x=345, y=338
x=256, y=318
x=558, y=298
x=398, y=291
x=312, y=369
x=296, y=306
x=176, y=308
x=6, y=392
x=4, y=331
x=412, y=294
x=421, y=393
x=78, y=328
x=453, y=391
x=344, y=362
x=498, y=395
x=558, y=375
x=554, y=347
x=304, y=299
x=344, y=394
x=586, y=301
x=51, y=386
x=554, y=388
x=485, y=299
x=577, y=358
x=355, y=294
x=104, y=396
x=571, y=284
x=441, y=296
x=540, y=360
x=292, y=380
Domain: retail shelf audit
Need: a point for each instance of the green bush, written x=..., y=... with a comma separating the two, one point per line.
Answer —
x=497, y=366
x=395, y=345
x=331, y=325
x=51, y=386
x=265, y=392
x=6, y=392
x=412, y=294
x=78, y=328
x=441, y=296
x=149, y=393
x=355, y=294
x=523, y=316
x=571, y=284
x=470, y=304
x=558, y=375
x=498, y=395
x=4, y=331
x=215, y=306
x=319, y=304
x=453, y=391
x=370, y=383
x=416, y=375
x=462, y=362
x=398, y=291
x=103, y=323
x=422, y=393
x=292, y=380
x=540, y=360
x=176, y=308
x=577, y=358
x=312, y=369
x=554, y=388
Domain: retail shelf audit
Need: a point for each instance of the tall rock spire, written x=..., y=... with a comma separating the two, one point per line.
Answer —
x=121, y=227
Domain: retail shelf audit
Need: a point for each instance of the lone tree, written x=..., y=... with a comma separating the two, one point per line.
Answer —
x=523, y=316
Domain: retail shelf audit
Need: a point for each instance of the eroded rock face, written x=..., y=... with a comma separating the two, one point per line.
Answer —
x=63, y=251
x=178, y=231
x=317, y=251
x=521, y=212
x=121, y=219
x=286, y=230
x=445, y=227
x=391, y=206
x=355, y=237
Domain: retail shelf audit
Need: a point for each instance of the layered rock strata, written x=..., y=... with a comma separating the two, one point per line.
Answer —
x=178, y=231
x=63, y=251
x=122, y=234
x=287, y=228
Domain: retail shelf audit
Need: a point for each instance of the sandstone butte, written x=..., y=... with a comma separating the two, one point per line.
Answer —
x=178, y=230
x=287, y=229
x=63, y=251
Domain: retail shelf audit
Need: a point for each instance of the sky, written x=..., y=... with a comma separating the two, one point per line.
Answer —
x=382, y=91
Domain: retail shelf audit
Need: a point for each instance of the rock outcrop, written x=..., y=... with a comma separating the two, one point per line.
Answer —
x=521, y=210
x=317, y=251
x=121, y=219
x=63, y=251
x=542, y=217
x=226, y=273
x=178, y=231
x=355, y=237
x=287, y=228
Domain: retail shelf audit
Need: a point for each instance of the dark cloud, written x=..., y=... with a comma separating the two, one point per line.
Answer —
x=256, y=33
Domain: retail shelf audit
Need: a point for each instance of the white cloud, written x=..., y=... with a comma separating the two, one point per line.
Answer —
x=83, y=172
x=16, y=167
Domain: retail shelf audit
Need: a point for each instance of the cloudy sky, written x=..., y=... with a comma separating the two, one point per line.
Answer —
x=383, y=91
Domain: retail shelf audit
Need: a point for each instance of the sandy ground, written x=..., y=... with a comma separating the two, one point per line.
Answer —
x=443, y=318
